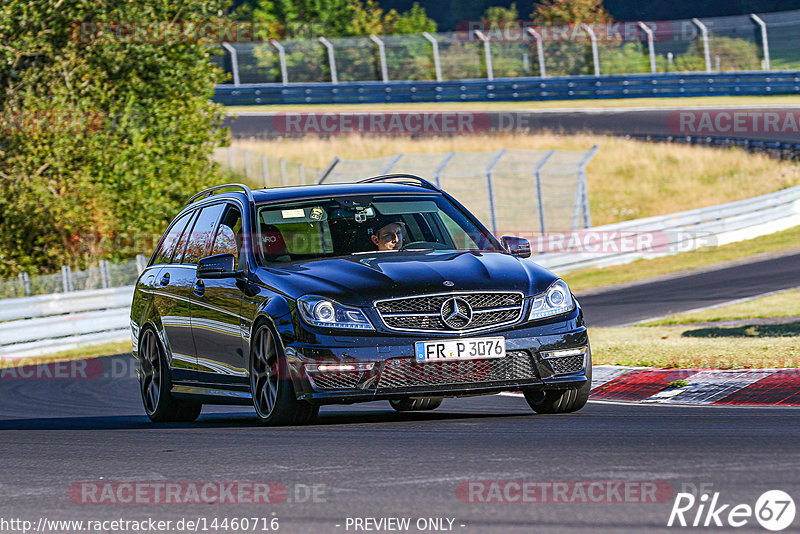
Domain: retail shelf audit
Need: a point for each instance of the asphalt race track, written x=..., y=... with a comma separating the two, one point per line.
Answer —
x=662, y=121
x=639, y=302
x=367, y=461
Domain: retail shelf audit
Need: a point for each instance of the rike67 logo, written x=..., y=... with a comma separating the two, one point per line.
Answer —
x=774, y=510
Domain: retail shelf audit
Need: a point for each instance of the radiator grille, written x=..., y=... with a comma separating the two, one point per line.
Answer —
x=423, y=313
x=407, y=372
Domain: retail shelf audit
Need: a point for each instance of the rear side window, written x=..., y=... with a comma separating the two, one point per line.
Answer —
x=170, y=240
x=202, y=235
x=228, y=239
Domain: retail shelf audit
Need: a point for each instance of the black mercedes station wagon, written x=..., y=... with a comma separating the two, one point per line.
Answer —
x=386, y=289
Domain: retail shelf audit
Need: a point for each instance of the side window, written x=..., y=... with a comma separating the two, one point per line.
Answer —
x=181, y=248
x=228, y=239
x=170, y=240
x=202, y=234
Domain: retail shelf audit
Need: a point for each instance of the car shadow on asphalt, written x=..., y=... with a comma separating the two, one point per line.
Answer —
x=238, y=420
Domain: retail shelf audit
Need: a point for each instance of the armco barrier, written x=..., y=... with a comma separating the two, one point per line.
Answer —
x=60, y=321
x=687, y=230
x=48, y=323
x=515, y=89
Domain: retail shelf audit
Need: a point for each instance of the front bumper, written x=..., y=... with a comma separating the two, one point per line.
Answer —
x=542, y=356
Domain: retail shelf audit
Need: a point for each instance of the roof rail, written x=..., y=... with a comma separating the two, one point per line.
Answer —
x=408, y=179
x=211, y=190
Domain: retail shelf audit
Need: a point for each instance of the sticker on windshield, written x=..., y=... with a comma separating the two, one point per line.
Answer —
x=293, y=214
x=316, y=214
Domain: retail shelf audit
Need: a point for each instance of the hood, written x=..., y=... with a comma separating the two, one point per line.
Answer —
x=360, y=279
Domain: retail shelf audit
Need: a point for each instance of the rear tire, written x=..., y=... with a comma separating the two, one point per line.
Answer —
x=416, y=405
x=562, y=400
x=155, y=384
x=271, y=386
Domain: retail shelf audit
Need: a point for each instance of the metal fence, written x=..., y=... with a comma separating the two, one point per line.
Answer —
x=102, y=276
x=259, y=170
x=510, y=190
x=518, y=49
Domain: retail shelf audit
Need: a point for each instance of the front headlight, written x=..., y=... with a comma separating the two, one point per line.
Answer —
x=319, y=311
x=555, y=301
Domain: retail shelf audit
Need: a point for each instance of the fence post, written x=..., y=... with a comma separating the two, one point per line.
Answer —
x=234, y=62
x=327, y=170
x=230, y=158
x=66, y=278
x=595, y=55
x=584, y=190
x=539, y=50
x=537, y=172
x=704, y=34
x=265, y=170
x=382, y=56
x=764, y=41
x=392, y=163
x=487, y=54
x=282, y=60
x=302, y=175
x=490, y=189
x=105, y=274
x=650, y=47
x=141, y=263
x=437, y=65
x=247, y=163
x=283, y=172
x=25, y=282
x=331, y=59
x=439, y=168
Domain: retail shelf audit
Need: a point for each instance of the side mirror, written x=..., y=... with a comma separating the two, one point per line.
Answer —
x=218, y=266
x=517, y=246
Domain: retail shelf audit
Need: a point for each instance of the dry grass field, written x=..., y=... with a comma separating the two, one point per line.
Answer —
x=627, y=179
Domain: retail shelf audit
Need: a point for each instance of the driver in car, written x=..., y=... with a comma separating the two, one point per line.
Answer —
x=388, y=236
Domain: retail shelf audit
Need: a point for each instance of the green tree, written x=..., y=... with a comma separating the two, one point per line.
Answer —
x=415, y=20
x=100, y=133
x=570, y=11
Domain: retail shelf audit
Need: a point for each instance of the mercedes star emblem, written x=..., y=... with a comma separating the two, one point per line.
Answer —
x=456, y=313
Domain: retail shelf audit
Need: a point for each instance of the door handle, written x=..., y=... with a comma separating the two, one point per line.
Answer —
x=164, y=279
x=199, y=288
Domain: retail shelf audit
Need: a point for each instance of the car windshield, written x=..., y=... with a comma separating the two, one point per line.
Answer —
x=343, y=226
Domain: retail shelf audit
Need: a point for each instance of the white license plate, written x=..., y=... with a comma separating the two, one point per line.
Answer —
x=460, y=349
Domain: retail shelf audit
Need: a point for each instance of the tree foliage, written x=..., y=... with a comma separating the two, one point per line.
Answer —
x=570, y=11
x=100, y=134
x=291, y=19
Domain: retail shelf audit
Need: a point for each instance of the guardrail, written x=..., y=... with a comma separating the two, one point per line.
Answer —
x=775, y=149
x=515, y=89
x=61, y=321
x=47, y=323
x=678, y=232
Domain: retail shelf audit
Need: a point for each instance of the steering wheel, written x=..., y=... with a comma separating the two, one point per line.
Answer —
x=425, y=245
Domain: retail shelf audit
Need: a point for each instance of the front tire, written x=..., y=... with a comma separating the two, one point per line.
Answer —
x=155, y=384
x=408, y=404
x=270, y=385
x=562, y=400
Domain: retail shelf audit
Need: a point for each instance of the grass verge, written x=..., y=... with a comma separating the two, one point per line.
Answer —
x=627, y=179
x=778, y=100
x=743, y=346
x=584, y=279
x=93, y=351
x=783, y=304
x=760, y=346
